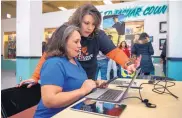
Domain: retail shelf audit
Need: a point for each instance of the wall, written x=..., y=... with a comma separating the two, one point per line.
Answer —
x=174, y=52
x=7, y=25
x=175, y=30
x=55, y=19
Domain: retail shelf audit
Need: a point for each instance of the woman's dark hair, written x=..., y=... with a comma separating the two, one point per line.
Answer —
x=143, y=36
x=77, y=17
x=120, y=46
x=56, y=45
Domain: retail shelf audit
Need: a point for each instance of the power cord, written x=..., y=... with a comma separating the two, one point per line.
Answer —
x=145, y=101
x=157, y=89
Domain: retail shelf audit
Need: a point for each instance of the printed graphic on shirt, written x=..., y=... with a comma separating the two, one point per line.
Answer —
x=84, y=55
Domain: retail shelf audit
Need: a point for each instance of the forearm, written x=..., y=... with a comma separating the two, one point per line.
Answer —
x=63, y=99
x=36, y=74
x=118, y=56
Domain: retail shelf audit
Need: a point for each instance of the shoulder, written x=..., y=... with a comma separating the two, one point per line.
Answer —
x=101, y=32
x=101, y=35
x=52, y=61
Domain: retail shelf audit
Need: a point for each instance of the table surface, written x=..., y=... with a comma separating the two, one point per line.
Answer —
x=167, y=105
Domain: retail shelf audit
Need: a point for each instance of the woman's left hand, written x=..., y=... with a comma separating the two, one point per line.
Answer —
x=132, y=68
x=101, y=84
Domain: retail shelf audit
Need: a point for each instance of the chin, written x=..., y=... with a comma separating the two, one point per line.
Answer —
x=75, y=55
x=86, y=35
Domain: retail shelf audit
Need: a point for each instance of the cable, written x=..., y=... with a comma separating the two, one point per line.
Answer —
x=156, y=90
x=164, y=87
x=145, y=101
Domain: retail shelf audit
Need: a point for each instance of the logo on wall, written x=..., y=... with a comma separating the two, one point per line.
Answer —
x=137, y=11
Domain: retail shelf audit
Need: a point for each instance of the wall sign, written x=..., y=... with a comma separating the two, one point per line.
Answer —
x=137, y=11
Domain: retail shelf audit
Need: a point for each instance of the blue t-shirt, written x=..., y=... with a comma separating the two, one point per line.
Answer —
x=61, y=72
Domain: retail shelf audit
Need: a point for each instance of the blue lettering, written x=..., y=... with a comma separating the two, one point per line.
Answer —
x=146, y=11
x=157, y=10
x=116, y=12
x=108, y=13
x=138, y=11
x=120, y=11
x=164, y=8
x=135, y=12
x=127, y=12
x=151, y=10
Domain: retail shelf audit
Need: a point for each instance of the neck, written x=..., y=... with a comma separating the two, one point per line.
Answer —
x=72, y=61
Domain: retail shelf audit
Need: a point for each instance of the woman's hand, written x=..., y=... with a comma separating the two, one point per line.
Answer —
x=101, y=84
x=30, y=83
x=87, y=86
x=136, y=63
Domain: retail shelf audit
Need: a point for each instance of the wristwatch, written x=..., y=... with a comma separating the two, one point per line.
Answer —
x=128, y=63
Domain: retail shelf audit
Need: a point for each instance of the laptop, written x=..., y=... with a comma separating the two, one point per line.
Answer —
x=111, y=95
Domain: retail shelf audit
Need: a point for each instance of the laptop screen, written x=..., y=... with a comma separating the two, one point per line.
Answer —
x=131, y=82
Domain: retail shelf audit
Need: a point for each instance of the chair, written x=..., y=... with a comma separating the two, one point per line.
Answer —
x=17, y=99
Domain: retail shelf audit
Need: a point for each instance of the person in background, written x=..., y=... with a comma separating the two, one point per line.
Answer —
x=163, y=58
x=43, y=46
x=102, y=63
x=143, y=47
x=93, y=40
x=63, y=80
x=120, y=28
x=123, y=46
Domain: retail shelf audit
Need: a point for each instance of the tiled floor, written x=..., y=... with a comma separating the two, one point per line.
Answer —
x=8, y=79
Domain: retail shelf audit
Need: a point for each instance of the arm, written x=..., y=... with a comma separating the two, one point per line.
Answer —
x=133, y=50
x=107, y=47
x=118, y=56
x=36, y=74
x=53, y=97
x=128, y=52
x=163, y=53
x=52, y=80
x=53, y=77
x=151, y=50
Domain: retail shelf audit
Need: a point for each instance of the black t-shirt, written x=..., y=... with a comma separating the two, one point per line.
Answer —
x=120, y=28
x=90, y=50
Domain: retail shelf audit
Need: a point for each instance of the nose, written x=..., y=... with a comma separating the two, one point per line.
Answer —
x=79, y=45
x=90, y=27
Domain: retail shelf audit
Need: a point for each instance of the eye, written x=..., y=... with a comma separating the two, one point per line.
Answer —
x=94, y=24
x=86, y=23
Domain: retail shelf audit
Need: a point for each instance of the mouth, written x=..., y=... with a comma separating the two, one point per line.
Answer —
x=88, y=33
x=77, y=51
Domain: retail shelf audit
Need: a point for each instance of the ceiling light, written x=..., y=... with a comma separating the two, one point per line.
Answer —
x=107, y=2
x=8, y=15
x=62, y=8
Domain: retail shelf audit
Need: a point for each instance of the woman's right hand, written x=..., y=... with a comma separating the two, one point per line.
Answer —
x=87, y=86
x=30, y=83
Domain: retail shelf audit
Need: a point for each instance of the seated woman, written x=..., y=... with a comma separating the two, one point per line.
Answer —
x=63, y=80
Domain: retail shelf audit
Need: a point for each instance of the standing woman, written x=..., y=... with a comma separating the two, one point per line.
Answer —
x=123, y=46
x=143, y=47
x=93, y=40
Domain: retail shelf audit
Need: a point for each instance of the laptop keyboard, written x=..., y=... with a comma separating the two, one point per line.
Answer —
x=120, y=83
x=110, y=95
